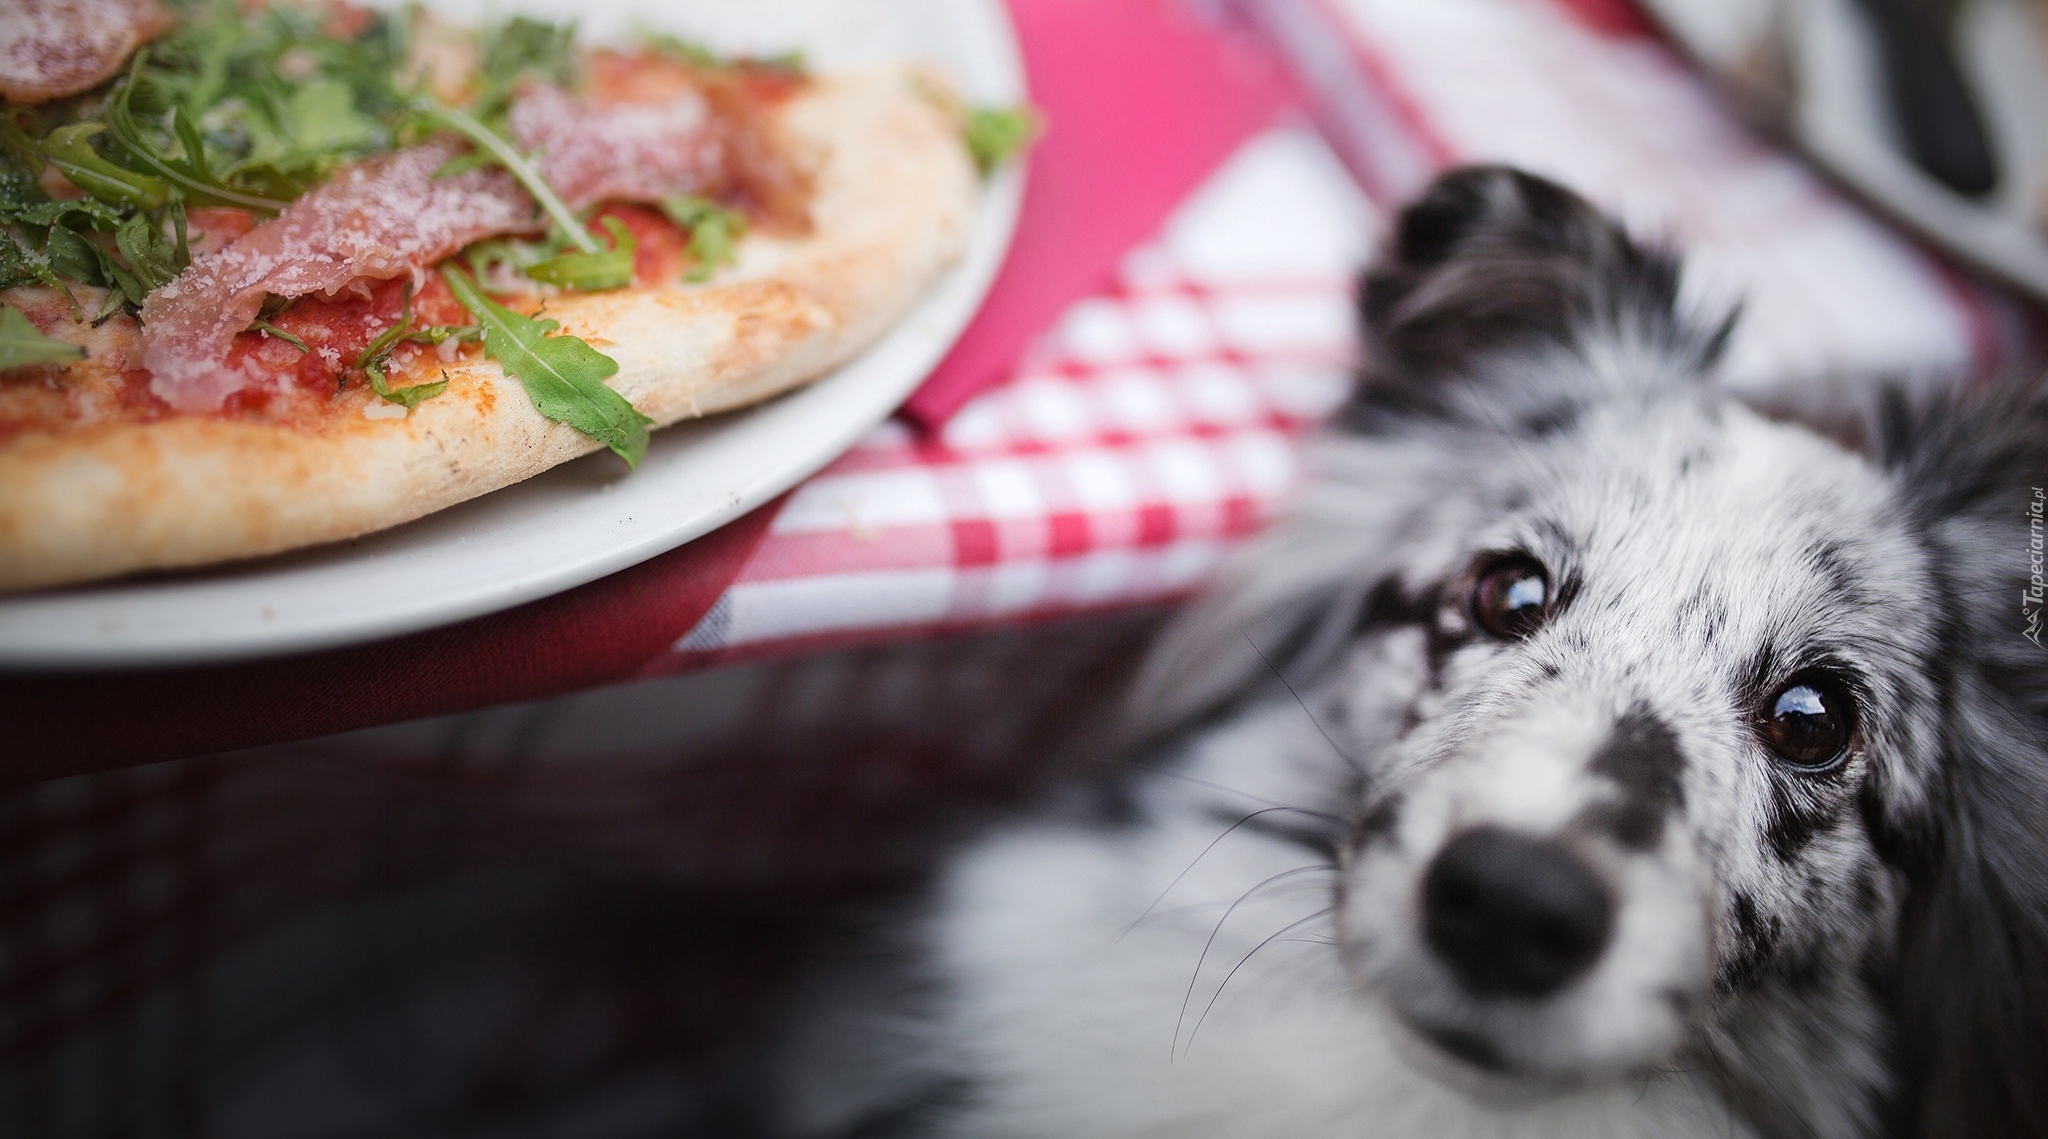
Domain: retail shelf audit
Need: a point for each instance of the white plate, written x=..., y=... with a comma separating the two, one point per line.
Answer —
x=587, y=518
x=1811, y=69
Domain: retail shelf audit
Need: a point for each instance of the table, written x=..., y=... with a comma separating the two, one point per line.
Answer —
x=1191, y=336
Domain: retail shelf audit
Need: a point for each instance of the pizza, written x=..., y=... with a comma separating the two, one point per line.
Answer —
x=273, y=277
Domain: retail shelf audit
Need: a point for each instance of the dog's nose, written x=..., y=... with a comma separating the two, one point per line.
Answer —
x=1511, y=915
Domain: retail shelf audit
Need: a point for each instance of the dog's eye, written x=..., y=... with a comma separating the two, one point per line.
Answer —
x=1808, y=721
x=1511, y=597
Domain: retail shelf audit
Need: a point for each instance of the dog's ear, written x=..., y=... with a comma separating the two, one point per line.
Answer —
x=1493, y=268
x=1973, y=988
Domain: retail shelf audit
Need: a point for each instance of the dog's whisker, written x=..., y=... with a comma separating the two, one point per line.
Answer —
x=1199, y=907
x=1213, y=844
x=1343, y=756
x=1270, y=891
x=1218, y=994
x=1188, y=998
x=1197, y=781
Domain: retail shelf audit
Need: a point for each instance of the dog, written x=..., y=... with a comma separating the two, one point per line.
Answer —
x=1583, y=753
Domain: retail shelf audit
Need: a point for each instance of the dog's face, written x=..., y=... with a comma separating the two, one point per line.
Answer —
x=1651, y=662
x=1667, y=735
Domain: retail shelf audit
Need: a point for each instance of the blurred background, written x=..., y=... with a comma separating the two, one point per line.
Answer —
x=564, y=871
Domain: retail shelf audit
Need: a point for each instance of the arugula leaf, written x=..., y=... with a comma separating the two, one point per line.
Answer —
x=20, y=262
x=993, y=134
x=21, y=343
x=46, y=241
x=273, y=331
x=68, y=257
x=442, y=333
x=189, y=173
x=73, y=257
x=324, y=118
x=259, y=103
x=406, y=397
x=509, y=157
x=592, y=272
x=563, y=375
x=388, y=339
x=70, y=150
x=515, y=50
x=152, y=256
x=225, y=49
x=794, y=62
x=484, y=257
x=21, y=265
x=705, y=58
x=681, y=50
x=97, y=214
x=379, y=350
x=713, y=230
x=19, y=189
x=123, y=286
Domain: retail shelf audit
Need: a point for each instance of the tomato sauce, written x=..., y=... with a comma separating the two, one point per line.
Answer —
x=335, y=330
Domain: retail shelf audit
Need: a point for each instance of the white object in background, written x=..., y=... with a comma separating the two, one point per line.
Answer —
x=1813, y=67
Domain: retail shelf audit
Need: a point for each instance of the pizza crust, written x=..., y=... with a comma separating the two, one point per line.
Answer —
x=894, y=193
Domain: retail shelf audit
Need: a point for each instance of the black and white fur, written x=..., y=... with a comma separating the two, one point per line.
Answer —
x=1234, y=945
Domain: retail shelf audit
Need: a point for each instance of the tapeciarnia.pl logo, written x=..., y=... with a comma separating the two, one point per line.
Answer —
x=2037, y=584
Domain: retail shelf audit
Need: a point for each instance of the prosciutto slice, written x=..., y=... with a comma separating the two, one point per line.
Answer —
x=53, y=48
x=629, y=151
x=374, y=220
